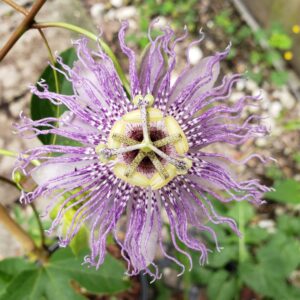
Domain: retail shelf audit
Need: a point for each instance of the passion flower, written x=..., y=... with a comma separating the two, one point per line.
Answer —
x=141, y=154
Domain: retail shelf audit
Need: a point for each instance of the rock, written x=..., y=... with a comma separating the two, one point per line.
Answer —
x=126, y=13
x=116, y=3
x=195, y=54
x=97, y=10
x=275, y=109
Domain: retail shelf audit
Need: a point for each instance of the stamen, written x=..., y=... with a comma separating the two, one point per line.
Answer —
x=145, y=123
x=127, y=149
x=106, y=154
x=167, y=140
x=124, y=139
x=158, y=165
x=182, y=166
x=135, y=163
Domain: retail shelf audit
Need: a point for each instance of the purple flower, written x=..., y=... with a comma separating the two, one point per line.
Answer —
x=141, y=157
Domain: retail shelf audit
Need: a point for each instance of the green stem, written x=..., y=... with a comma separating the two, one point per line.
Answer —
x=9, y=153
x=8, y=181
x=242, y=245
x=53, y=61
x=93, y=37
x=40, y=225
x=35, y=212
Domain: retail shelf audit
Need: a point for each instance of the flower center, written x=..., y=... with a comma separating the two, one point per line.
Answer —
x=147, y=148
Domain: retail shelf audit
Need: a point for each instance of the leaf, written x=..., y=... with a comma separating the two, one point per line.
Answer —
x=279, y=78
x=286, y=191
x=10, y=268
x=280, y=41
x=221, y=287
x=264, y=283
x=255, y=235
x=288, y=224
x=257, y=76
x=276, y=261
x=272, y=56
x=244, y=208
x=255, y=57
x=55, y=279
x=200, y=275
x=42, y=108
x=292, y=125
x=281, y=255
x=220, y=259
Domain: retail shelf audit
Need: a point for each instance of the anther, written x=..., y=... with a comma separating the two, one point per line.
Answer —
x=168, y=140
x=124, y=139
x=134, y=164
x=158, y=165
x=104, y=153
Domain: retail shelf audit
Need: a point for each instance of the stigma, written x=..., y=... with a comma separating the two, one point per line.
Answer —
x=146, y=148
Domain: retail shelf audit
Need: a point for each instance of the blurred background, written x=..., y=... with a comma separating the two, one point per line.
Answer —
x=265, y=37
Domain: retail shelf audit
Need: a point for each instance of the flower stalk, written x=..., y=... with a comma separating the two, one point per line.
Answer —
x=21, y=236
x=93, y=37
x=25, y=24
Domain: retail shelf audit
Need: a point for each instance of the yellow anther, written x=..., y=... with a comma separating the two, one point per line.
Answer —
x=134, y=164
x=118, y=129
x=158, y=181
x=158, y=165
x=137, y=100
x=104, y=153
x=167, y=140
x=154, y=115
x=137, y=178
x=149, y=100
x=183, y=166
x=124, y=139
x=173, y=128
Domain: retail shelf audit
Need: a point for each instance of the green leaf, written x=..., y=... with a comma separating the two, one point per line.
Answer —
x=260, y=35
x=281, y=255
x=292, y=125
x=221, y=287
x=279, y=78
x=220, y=259
x=257, y=76
x=55, y=280
x=255, y=57
x=244, y=33
x=272, y=56
x=42, y=108
x=200, y=275
x=280, y=41
x=10, y=268
x=274, y=172
x=255, y=235
x=296, y=156
x=288, y=224
x=286, y=191
x=262, y=281
x=276, y=261
x=242, y=207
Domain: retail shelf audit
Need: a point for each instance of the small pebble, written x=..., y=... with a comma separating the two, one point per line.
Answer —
x=97, y=10
x=195, y=54
x=275, y=109
x=116, y=3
